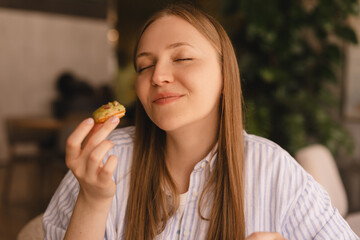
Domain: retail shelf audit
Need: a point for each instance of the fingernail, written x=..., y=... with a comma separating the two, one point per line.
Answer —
x=114, y=119
x=89, y=121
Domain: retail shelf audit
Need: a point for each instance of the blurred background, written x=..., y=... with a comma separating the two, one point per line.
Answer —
x=61, y=59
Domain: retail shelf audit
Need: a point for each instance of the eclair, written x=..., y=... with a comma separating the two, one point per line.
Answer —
x=105, y=112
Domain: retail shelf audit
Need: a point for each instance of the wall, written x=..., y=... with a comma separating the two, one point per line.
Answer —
x=35, y=48
x=352, y=89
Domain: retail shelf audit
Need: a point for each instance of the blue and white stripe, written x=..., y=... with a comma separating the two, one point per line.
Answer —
x=279, y=197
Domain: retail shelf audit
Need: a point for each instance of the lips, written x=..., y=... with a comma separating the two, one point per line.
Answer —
x=164, y=98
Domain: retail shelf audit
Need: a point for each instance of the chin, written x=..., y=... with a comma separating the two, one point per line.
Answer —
x=168, y=124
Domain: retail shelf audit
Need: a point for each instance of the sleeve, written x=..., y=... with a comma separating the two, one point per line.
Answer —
x=58, y=213
x=312, y=216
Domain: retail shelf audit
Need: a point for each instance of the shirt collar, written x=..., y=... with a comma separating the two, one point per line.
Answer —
x=210, y=158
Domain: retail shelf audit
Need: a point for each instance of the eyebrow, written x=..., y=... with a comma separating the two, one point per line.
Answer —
x=171, y=46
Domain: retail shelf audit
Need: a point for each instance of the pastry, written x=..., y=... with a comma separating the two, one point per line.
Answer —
x=107, y=111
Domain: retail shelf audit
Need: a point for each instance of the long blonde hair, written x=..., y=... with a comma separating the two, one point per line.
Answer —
x=149, y=207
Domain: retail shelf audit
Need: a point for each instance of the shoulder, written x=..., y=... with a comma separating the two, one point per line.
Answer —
x=253, y=139
x=264, y=149
x=263, y=157
x=273, y=172
x=280, y=190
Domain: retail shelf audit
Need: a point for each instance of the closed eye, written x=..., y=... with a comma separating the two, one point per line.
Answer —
x=143, y=68
x=183, y=59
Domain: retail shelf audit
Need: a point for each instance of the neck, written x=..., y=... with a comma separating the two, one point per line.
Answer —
x=187, y=146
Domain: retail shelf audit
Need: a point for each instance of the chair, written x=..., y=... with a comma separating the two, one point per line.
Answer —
x=41, y=135
x=33, y=230
x=319, y=162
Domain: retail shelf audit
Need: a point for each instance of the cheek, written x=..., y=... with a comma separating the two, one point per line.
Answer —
x=137, y=89
x=141, y=89
x=210, y=80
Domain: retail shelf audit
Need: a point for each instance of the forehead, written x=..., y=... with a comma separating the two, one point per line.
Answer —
x=168, y=30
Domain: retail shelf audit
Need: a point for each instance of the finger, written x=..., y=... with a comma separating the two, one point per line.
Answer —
x=96, y=128
x=73, y=142
x=96, y=157
x=101, y=134
x=108, y=170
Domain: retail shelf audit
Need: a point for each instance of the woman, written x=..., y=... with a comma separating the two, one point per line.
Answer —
x=187, y=170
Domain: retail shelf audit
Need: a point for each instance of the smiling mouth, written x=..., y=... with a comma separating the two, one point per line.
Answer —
x=166, y=99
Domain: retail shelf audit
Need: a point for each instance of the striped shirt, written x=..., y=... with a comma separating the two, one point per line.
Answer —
x=279, y=197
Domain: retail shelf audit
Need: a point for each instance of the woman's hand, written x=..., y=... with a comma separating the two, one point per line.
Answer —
x=265, y=236
x=85, y=150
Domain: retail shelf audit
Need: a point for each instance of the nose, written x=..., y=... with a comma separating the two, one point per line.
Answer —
x=162, y=74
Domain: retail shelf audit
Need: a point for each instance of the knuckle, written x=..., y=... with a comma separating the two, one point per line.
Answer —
x=70, y=144
x=113, y=159
x=93, y=157
x=68, y=163
x=76, y=172
x=106, y=172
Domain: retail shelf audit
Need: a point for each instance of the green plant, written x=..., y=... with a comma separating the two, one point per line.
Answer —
x=290, y=55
